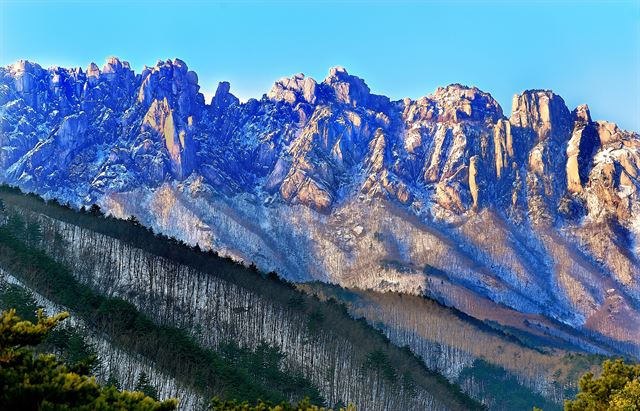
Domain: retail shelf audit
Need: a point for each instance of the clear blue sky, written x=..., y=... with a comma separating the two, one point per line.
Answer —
x=584, y=51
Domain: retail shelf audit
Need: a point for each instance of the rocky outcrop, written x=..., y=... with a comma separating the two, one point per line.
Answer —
x=172, y=80
x=223, y=98
x=542, y=123
x=457, y=103
x=541, y=111
x=581, y=148
x=294, y=89
x=346, y=88
x=176, y=137
x=71, y=130
x=612, y=188
x=27, y=82
x=503, y=145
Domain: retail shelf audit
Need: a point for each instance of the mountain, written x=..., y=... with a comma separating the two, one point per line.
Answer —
x=535, y=216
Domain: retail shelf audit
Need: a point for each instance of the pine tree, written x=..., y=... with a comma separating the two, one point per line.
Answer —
x=144, y=386
x=304, y=405
x=33, y=233
x=112, y=381
x=95, y=210
x=3, y=213
x=617, y=389
x=33, y=381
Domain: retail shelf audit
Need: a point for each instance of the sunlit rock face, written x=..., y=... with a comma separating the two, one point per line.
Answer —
x=443, y=195
x=346, y=88
x=542, y=122
x=296, y=88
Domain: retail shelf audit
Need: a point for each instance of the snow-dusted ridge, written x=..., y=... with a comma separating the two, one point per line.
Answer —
x=443, y=195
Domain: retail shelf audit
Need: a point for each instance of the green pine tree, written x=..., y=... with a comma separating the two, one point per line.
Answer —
x=112, y=381
x=144, y=386
x=304, y=405
x=617, y=389
x=33, y=381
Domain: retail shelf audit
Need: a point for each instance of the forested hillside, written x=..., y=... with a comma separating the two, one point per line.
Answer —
x=507, y=367
x=200, y=325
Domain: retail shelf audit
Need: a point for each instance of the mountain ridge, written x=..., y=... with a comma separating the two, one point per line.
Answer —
x=93, y=70
x=538, y=211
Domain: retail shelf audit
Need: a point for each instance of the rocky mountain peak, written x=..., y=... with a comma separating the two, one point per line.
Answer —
x=172, y=80
x=581, y=147
x=347, y=88
x=24, y=66
x=128, y=142
x=457, y=102
x=543, y=112
x=93, y=70
x=113, y=65
x=25, y=75
x=179, y=64
x=119, y=72
x=337, y=71
x=223, y=98
x=581, y=114
x=297, y=88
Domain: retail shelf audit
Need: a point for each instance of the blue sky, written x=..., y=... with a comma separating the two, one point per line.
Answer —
x=588, y=52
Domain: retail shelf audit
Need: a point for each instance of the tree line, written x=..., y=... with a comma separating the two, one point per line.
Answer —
x=373, y=350
x=168, y=346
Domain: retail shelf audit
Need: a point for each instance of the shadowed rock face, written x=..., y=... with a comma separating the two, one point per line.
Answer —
x=581, y=148
x=223, y=99
x=538, y=211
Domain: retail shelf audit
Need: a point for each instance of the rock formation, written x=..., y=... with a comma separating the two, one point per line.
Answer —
x=538, y=211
